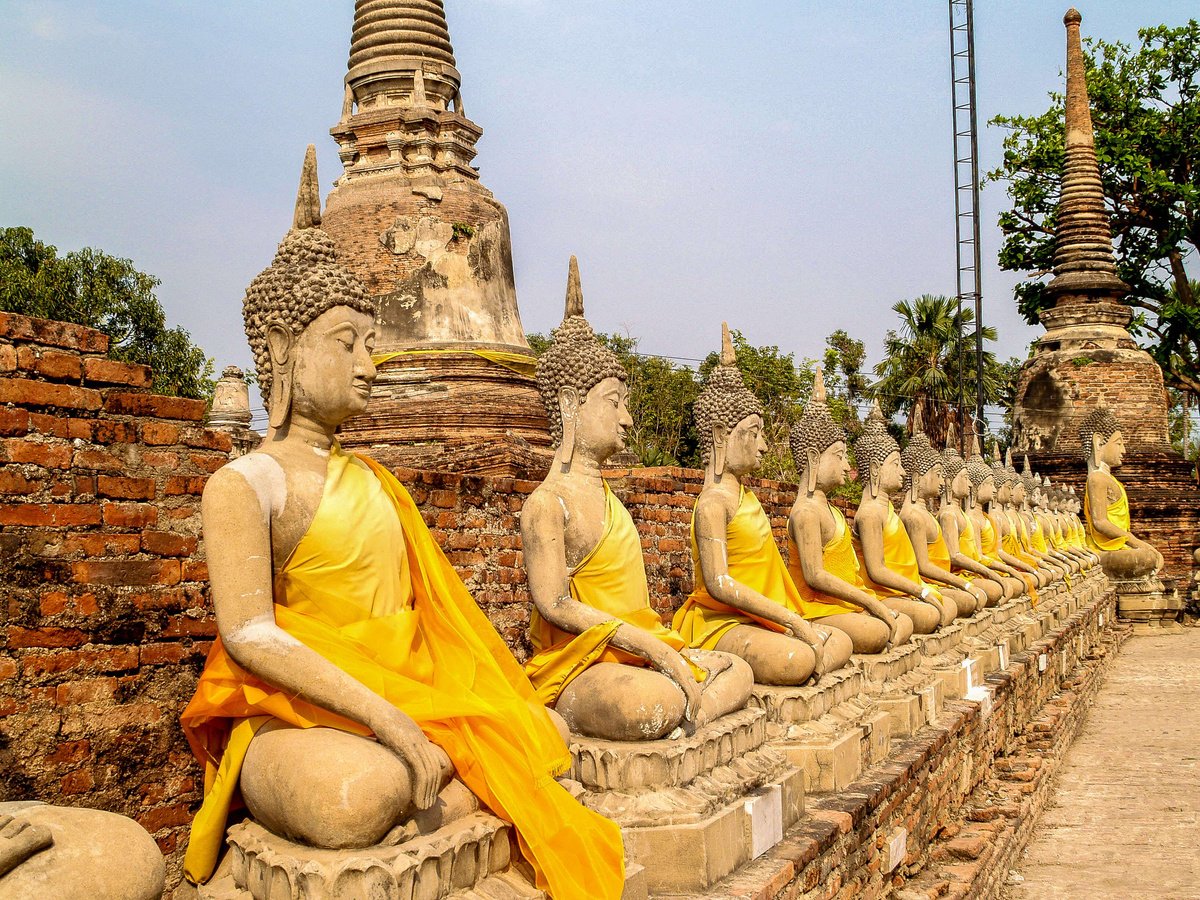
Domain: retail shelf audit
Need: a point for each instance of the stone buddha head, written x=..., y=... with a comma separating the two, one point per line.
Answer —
x=923, y=472
x=956, y=484
x=729, y=418
x=310, y=323
x=878, y=456
x=981, y=475
x=583, y=386
x=1101, y=439
x=819, y=443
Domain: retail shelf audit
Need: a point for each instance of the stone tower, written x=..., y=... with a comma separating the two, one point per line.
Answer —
x=1087, y=353
x=411, y=218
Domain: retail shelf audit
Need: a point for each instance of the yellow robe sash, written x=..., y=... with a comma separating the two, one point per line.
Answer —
x=754, y=561
x=967, y=545
x=612, y=579
x=369, y=589
x=839, y=560
x=898, y=556
x=1118, y=514
x=990, y=545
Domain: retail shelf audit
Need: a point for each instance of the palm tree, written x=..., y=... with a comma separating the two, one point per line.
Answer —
x=929, y=364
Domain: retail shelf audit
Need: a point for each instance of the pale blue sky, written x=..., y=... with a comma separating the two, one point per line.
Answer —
x=783, y=164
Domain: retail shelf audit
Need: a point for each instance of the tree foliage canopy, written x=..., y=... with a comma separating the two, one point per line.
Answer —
x=89, y=287
x=1145, y=105
x=929, y=364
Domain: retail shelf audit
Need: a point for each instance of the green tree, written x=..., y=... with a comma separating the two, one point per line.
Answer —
x=1145, y=105
x=844, y=379
x=89, y=287
x=929, y=363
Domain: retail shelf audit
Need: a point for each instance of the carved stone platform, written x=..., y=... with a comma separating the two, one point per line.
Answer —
x=693, y=809
x=469, y=858
x=1153, y=605
x=831, y=730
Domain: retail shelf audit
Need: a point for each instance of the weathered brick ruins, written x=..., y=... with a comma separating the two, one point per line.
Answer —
x=108, y=622
x=917, y=772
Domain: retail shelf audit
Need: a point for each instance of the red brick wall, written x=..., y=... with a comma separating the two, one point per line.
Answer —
x=102, y=581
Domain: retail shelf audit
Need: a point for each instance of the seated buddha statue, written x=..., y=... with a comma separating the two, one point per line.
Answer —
x=958, y=533
x=54, y=851
x=924, y=479
x=1106, y=505
x=1036, y=512
x=1069, y=531
x=1007, y=532
x=602, y=657
x=1017, y=574
x=744, y=601
x=888, y=559
x=354, y=679
x=821, y=556
x=1016, y=508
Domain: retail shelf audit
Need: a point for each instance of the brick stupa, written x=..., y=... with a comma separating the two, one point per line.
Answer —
x=411, y=218
x=1088, y=355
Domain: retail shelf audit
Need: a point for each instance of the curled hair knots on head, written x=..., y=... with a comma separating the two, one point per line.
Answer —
x=725, y=399
x=1100, y=422
x=575, y=357
x=918, y=458
x=875, y=444
x=303, y=281
x=816, y=429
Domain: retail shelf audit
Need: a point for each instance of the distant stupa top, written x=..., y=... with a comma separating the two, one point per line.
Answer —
x=394, y=37
x=1083, y=249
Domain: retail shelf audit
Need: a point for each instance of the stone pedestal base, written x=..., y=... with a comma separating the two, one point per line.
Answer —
x=1152, y=605
x=693, y=809
x=470, y=857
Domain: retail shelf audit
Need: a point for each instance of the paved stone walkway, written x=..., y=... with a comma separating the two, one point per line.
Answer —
x=1124, y=821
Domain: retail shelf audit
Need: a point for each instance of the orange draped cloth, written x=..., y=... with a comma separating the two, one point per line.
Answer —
x=369, y=589
x=839, y=560
x=753, y=559
x=612, y=579
x=898, y=556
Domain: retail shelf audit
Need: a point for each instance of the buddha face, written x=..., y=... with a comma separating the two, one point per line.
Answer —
x=1112, y=451
x=1004, y=494
x=331, y=368
x=603, y=419
x=1016, y=494
x=833, y=466
x=930, y=484
x=960, y=486
x=986, y=492
x=745, y=446
x=891, y=474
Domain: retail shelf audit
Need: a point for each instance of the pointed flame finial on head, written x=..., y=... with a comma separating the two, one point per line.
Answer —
x=952, y=435
x=1028, y=470
x=996, y=451
x=1008, y=458
x=728, y=356
x=818, y=394
x=918, y=423
x=876, y=412
x=308, y=197
x=975, y=449
x=574, y=291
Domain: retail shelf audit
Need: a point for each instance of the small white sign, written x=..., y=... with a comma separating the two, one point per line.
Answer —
x=1003, y=648
x=897, y=849
x=1043, y=661
x=766, y=820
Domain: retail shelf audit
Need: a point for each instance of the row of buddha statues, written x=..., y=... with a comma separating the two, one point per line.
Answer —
x=356, y=686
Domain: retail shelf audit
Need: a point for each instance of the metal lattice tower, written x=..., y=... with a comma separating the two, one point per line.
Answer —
x=966, y=182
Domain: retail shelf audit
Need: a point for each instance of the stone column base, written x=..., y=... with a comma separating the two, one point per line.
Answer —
x=1152, y=606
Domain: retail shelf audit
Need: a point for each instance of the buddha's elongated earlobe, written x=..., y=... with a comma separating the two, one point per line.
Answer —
x=720, y=443
x=279, y=344
x=813, y=464
x=568, y=407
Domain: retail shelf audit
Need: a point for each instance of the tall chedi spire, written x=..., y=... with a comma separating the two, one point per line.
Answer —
x=1087, y=354
x=1086, y=289
x=1088, y=358
x=411, y=218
